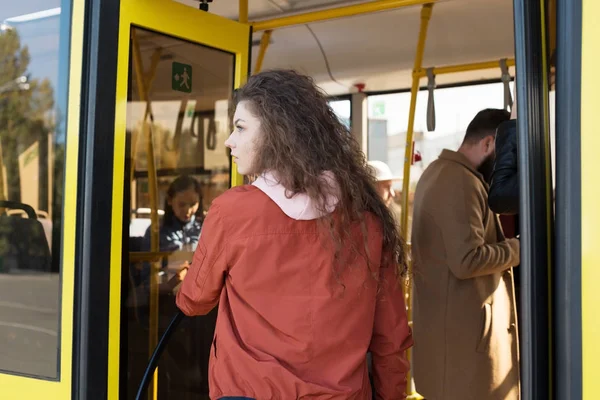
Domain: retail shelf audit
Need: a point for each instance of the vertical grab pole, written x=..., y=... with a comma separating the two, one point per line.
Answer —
x=416, y=78
x=153, y=187
x=236, y=178
x=243, y=11
x=148, y=79
x=264, y=44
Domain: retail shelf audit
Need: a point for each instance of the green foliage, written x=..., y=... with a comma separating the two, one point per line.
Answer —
x=27, y=112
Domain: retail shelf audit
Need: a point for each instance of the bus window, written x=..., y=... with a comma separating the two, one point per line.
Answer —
x=177, y=164
x=32, y=157
x=388, y=122
x=342, y=108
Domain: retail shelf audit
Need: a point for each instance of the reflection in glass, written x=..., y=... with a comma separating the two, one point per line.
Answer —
x=177, y=123
x=32, y=138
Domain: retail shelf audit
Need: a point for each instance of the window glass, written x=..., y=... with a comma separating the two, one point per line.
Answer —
x=388, y=122
x=34, y=44
x=342, y=109
x=176, y=133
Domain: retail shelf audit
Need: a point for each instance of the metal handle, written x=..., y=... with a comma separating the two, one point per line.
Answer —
x=19, y=206
x=157, y=353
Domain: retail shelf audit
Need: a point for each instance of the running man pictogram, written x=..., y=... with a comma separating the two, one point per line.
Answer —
x=181, y=77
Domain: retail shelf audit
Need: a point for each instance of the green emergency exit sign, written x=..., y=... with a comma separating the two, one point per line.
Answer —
x=181, y=77
x=379, y=109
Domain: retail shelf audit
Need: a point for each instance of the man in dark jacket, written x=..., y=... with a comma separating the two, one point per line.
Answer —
x=504, y=189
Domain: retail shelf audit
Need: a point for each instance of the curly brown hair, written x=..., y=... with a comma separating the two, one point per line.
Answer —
x=301, y=138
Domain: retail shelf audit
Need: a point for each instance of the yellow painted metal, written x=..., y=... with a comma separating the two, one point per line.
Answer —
x=590, y=193
x=264, y=44
x=332, y=13
x=425, y=17
x=243, y=11
x=2, y=184
x=181, y=21
x=147, y=131
x=237, y=179
x=551, y=12
x=19, y=387
x=426, y=12
x=148, y=80
x=451, y=69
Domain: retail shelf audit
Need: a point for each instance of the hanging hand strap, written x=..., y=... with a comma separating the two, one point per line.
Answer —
x=430, y=100
x=508, y=101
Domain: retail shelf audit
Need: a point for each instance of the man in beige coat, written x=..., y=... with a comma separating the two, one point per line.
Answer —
x=466, y=345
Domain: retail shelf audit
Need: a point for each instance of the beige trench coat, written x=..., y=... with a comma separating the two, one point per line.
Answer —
x=466, y=345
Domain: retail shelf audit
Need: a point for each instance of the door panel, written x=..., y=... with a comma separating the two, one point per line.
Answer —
x=187, y=120
x=175, y=82
x=41, y=46
x=590, y=214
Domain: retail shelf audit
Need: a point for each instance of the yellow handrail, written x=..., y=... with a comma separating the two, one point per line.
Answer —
x=243, y=11
x=154, y=229
x=451, y=69
x=425, y=18
x=338, y=12
x=148, y=79
x=264, y=44
x=2, y=183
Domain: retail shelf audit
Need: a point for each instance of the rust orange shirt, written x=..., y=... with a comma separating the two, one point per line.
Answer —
x=289, y=326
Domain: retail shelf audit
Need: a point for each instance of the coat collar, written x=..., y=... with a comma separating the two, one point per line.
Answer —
x=461, y=159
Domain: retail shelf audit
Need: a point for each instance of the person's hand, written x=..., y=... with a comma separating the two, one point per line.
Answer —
x=176, y=280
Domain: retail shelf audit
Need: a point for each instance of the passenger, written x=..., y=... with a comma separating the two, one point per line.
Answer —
x=464, y=311
x=385, y=182
x=504, y=188
x=180, y=227
x=305, y=263
x=181, y=224
x=179, y=231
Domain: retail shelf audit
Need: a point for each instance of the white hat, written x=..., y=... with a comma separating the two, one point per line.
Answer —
x=382, y=171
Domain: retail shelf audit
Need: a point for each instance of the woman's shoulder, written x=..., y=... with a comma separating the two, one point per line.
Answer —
x=233, y=194
x=238, y=198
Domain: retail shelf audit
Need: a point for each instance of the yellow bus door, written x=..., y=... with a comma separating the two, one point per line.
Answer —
x=40, y=75
x=176, y=72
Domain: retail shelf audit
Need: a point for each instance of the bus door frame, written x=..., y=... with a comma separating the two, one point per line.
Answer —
x=97, y=348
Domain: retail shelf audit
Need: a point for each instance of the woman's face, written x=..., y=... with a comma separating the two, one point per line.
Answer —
x=243, y=139
x=185, y=204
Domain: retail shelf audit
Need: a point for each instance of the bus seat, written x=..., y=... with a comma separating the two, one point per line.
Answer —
x=23, y=245
x=42, y=216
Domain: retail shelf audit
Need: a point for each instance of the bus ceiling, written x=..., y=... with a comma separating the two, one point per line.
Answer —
x=381, y=23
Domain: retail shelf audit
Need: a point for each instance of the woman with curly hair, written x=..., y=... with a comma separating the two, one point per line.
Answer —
x=306, y=263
